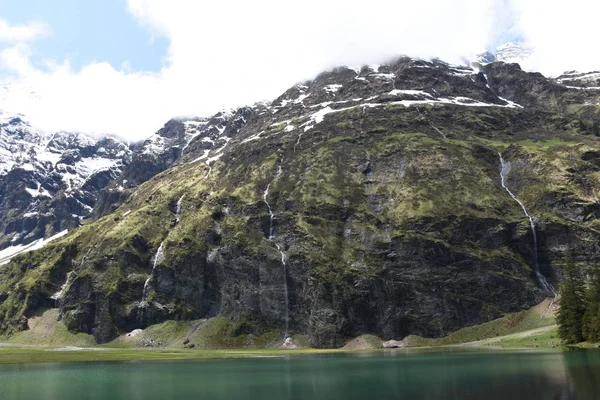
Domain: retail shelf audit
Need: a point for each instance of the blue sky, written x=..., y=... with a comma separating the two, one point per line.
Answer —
x=87, y=31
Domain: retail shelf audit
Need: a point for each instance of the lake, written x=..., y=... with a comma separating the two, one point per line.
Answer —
x=393, y=374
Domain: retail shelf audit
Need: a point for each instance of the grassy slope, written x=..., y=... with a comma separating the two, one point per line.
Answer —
x=214, y=339
x=213, y=333
x=220, y=333
x=541, y=337
x=45, y=329
x=507, y=325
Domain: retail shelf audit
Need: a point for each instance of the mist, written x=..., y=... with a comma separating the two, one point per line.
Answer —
x=231, y=53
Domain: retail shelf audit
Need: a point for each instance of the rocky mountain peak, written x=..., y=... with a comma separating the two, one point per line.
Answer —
x=50, y=181
x=580, y=80
x=511, y=52
x=179, y=140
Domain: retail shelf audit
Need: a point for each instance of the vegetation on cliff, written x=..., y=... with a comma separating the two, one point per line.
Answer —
x=373, y=210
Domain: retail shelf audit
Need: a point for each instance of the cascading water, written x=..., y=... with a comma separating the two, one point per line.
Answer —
x=435, y=128
x=504, y=170
x=179, y=208
x=158, y=257
x=271, y=216
x=283, y=257
x=59, y=295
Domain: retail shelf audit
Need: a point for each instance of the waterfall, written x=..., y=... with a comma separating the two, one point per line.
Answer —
x=60, y=294
x=179, y=208
x=283, y=256
x=504, y=170
x=298, y=140
x=435, y=128
x=158, y=257
x=271, y=216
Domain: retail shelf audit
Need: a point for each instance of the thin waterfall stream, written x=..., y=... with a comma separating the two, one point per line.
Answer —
x=504, y=170
x=157, y=259
x=63, y=289
x=179, y=208
x=283, y=256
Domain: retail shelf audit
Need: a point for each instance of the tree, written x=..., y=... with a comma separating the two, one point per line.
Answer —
x=572, y=305
x=591, y=317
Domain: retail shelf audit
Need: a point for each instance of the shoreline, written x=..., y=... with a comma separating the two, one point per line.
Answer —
x=48, y=341
x=15, y=354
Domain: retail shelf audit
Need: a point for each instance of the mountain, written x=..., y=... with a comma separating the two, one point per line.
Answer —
x=580, y=80
x=190, y=138
x=50, y=182
x=415, y=197
x=510, y=53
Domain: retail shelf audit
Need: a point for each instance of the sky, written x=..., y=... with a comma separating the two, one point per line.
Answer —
x=124, y=67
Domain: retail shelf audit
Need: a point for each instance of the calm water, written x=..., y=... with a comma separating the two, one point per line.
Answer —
x=383, y=375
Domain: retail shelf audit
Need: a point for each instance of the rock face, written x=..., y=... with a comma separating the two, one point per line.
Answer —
x=188, y=139
x=50, y=182
x=364, y=201
x=580, y=80
x=392, y=344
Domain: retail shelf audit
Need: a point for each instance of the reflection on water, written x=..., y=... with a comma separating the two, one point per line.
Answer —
x=583, y=374
x=380, y=375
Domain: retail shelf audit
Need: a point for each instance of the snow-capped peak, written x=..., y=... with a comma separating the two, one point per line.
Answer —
x=53, y=176
x=510, y=52
x=513, y=52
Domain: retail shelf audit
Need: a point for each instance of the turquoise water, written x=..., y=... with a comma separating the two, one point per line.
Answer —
x=380, y=375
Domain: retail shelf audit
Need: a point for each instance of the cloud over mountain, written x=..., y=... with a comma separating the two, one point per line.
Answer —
x=229, y=53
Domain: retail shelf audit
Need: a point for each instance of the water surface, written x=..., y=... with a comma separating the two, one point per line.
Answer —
x=378, y=375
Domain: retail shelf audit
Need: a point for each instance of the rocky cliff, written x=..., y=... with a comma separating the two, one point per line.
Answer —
x=364, y=201
x=50, y=182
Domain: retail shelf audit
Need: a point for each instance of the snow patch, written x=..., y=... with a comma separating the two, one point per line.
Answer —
x=333, y=88
x=384, y=76
x=318, y=117
x=297, y=100
x=574, y=75
x=253, y=137
x=202, y=157
x=583, y=88
x=511, y=104
x=39, y=192
x=396, y=92
x=10, y=252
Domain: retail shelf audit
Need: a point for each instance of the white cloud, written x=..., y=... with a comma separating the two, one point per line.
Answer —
x=22, y=33
x=234, y=52
x=229, y=53
x=563, y=35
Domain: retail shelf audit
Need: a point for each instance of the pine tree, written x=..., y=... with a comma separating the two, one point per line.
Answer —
x=591, y=317
x=572, y=306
